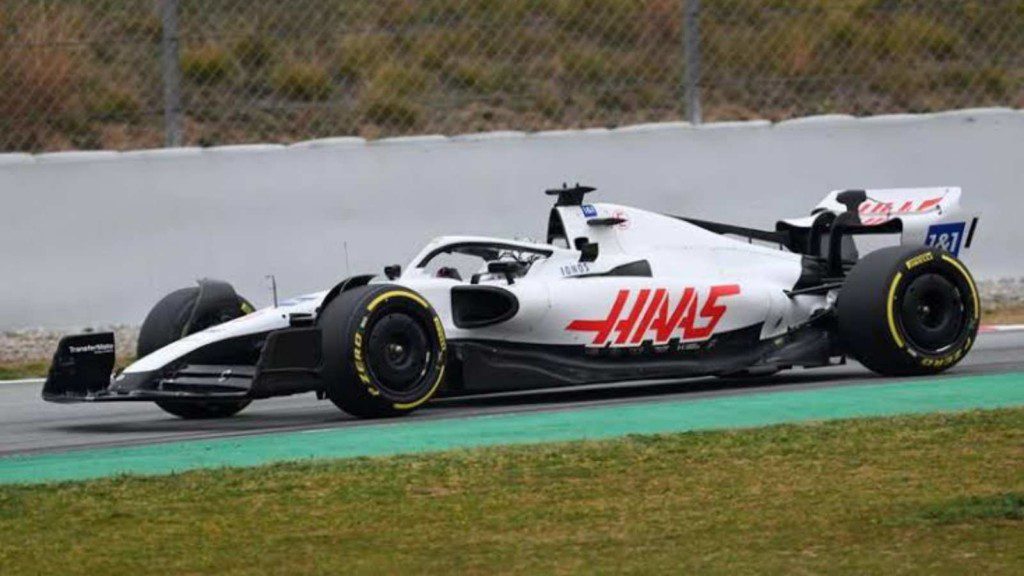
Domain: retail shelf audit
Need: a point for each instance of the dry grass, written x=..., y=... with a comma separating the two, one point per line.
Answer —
x=38, y=368
x=1009, y=315
x=933, y=494
x=207, y=64
x=19, y=370
x=304, y=81
x=39, y=91
x=332, y=67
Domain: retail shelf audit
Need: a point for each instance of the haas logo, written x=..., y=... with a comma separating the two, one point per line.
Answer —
x=873, y=213
x=654, y=311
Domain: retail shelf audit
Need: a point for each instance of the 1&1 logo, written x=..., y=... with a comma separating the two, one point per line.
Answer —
x=949, y=237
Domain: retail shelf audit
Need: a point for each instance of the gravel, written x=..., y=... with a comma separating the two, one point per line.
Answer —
x=37, y=344
x=1002, y=293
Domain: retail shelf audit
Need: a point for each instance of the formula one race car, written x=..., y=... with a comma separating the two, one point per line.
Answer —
x=614, y=294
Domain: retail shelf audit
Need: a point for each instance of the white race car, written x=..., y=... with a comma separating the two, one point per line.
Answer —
x=614, y=294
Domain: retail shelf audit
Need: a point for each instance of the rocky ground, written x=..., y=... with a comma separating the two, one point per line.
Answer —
x=36, y=344
x=1003, y=301
x=1002, y=294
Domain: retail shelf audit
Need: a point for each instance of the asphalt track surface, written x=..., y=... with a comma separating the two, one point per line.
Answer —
x=30, y=425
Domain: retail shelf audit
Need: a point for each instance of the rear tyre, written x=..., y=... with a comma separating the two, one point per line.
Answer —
x=168, y=322
x=906, y=311
x=384, y=351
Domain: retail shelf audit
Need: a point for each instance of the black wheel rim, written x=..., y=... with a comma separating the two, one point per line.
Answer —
x=933, y=313
x=399, y=353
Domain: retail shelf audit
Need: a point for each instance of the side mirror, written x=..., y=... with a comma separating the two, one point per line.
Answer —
x=588, y=250
x=393, y=271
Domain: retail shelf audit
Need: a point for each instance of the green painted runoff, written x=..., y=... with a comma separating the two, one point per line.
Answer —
x=413, y=436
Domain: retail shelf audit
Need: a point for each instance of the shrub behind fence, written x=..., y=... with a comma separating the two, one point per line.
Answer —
x=143, y=73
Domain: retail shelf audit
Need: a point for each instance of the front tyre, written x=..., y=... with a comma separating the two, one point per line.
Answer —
x=169, y=321
x=384, y=350
x=908, y=311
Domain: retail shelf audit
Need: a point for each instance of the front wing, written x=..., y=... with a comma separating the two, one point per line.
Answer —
x=289, y=363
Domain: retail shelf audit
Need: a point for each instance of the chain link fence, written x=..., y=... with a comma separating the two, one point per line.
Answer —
x=118, y=74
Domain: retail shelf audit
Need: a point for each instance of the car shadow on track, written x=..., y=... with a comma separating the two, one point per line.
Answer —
x=653, y=390
x=697, y=388
x=297, y=418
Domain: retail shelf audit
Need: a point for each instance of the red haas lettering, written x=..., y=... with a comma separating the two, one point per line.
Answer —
x=656, y=312
x=874, y=213
x=626, y=326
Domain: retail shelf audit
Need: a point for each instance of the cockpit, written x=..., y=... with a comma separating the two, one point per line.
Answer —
x=482, y=260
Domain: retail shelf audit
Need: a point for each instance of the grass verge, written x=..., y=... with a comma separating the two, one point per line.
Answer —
x=938, y=493
x=19, y=370
x=37, y=368
x=1014, y=315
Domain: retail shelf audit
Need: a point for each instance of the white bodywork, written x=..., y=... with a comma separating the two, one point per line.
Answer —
x=692, y=269
x=929, y=216
x=701, y=283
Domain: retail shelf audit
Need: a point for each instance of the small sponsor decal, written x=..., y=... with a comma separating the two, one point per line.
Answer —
x=589, y=211
x=949, y=237
x=658, y=316
x=944, y=361
x=97, y=349
x=574, y=269
x=918, y=260
x=621, y=214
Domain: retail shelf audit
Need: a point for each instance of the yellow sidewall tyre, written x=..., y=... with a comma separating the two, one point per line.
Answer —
x=906, y=311
x=384, y=351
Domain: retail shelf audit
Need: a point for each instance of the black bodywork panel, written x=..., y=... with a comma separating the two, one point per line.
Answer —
x=290, y=363
x=479, y=306
x=490, y=366
x=284, y=362
x=82, y=365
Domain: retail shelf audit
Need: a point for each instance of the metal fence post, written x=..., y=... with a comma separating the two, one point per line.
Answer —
x=691, y=50
x=171, y=72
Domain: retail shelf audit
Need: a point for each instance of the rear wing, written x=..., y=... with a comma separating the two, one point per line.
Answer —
x=926, y=216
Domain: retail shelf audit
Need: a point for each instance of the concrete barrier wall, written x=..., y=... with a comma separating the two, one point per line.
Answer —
x=98, y=237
